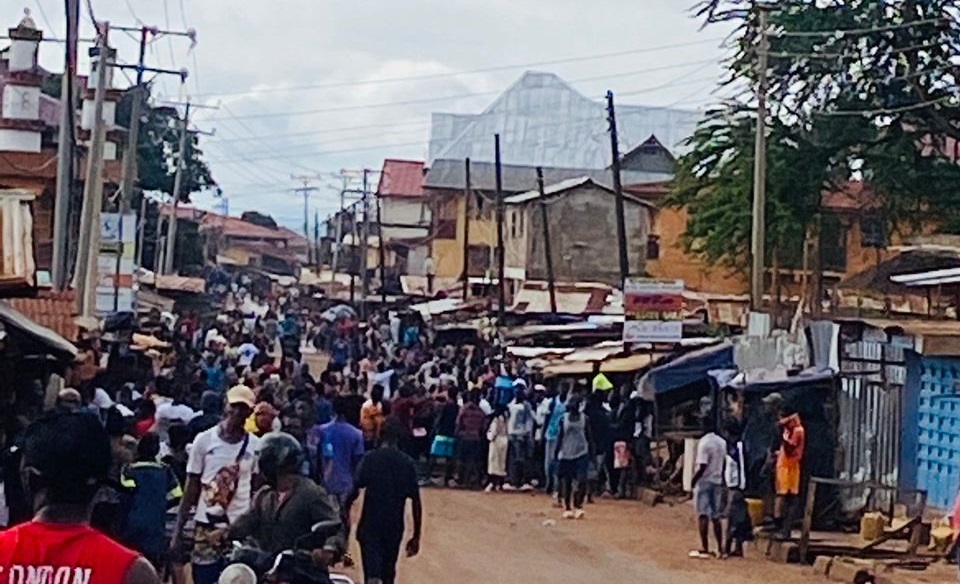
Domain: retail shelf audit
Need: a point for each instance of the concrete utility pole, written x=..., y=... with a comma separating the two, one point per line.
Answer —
x=758, y=232
x=381, y=253
x=171, y=243
x=338, y=230
x=66, y=147
x=618, y=192
x=501, y=252
x=183, y=155
x=547, y=246
x=89, y=245
x=467, y=195
x=305, y=190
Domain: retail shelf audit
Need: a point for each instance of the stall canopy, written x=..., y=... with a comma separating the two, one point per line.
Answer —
x=686, y=370
x=57, y=345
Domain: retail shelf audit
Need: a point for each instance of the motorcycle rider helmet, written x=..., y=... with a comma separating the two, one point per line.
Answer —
x=280, y=453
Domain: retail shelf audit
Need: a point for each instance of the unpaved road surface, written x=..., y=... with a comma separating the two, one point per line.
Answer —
x=476, y=538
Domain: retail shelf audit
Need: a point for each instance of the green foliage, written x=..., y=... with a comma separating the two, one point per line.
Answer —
x=876, y=104
x=158, y=151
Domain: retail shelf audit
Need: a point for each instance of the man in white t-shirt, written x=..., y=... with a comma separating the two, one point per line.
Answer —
x=246, y=353
x=220, y=473
x=708, y=490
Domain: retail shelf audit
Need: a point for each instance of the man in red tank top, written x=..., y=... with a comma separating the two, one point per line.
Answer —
x=65, y=456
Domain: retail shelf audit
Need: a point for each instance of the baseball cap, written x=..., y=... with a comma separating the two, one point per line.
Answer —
x=773, y=399
x=241, y=394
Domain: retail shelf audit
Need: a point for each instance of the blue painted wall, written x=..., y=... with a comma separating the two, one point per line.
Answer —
x=937, y=429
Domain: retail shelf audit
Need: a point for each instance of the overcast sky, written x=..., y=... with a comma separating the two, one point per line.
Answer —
x=260, y=61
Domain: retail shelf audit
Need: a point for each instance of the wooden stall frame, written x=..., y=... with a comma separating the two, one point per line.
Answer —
x=913, y=525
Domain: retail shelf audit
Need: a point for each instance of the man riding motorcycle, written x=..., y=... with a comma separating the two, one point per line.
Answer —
x=286, y=508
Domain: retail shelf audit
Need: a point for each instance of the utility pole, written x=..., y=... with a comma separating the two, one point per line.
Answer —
x=618, y=192
x=305, y=190
x=547, y=246
x=758, y=232
x=66, y=147
x=316, y=240
x=87, y=252
x=183, y=155
x=364, y=237
x=467, y=195
x=381, y=254
x=501, y=254
x=171, y=243
x=339, y=232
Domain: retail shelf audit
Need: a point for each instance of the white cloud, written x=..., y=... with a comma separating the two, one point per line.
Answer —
x=261, y=53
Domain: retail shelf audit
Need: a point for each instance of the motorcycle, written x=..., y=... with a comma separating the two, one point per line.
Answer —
x=250, y=565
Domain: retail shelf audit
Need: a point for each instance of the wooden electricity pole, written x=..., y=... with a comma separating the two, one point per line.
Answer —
x=501, y=252
x=547, y=247
x=66, y=145
x=618, y=192
x=759, y=226
x=467, y=195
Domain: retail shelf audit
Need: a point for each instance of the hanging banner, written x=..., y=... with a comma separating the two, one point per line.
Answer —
x=652, y=310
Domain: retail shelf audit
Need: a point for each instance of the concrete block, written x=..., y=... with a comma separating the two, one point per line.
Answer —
x=650, y=497
x=821, y=565
x=784, y=552
x=845, y=571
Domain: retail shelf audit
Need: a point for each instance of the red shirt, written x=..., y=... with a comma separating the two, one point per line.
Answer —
x=48, y=552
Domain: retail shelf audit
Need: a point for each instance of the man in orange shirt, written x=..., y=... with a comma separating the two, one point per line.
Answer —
x=372, y=418
x=788, y=469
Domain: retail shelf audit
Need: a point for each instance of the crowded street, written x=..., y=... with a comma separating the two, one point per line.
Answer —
x=519, y=292
x=472, y=540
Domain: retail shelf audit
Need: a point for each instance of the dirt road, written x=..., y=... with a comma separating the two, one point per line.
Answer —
x=475, y=538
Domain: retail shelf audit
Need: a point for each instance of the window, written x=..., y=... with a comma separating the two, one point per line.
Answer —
x=653, y=247
x=873, y=231
x=833, y=244
x=478, y=258
x=513, y=224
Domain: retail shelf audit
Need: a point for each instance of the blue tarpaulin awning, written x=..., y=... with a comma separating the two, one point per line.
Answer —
x=683, y=371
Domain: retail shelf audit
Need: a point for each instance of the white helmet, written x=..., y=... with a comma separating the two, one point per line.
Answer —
x=237, y=574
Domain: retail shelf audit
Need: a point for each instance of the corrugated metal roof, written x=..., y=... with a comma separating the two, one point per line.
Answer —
x=401, y=178
x=543, y=120
x=564, y=186
x=929, y=278
x=53, y=310
x=49, y=337
x=450, y=174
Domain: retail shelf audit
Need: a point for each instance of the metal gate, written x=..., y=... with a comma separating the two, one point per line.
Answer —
x=871, y=407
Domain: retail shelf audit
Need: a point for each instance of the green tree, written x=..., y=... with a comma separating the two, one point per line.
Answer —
x=159, y=149
x=876, y=102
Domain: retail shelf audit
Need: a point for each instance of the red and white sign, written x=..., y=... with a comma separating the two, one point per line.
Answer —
x=652, y=310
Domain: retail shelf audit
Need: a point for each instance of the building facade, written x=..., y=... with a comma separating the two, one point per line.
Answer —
x=582, y=222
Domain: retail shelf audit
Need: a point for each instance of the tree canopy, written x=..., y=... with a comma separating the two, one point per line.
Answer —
x=876, y=102
x=158, y=147
x=158, y=151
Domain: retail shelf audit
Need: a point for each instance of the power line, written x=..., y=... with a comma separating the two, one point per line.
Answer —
x=427, y=100
x=858, y=31
x=360, y=82
x=885, y=111
x=43, y=15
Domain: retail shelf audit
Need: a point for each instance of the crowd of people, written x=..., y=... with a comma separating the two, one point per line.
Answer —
x=220, y=432
x=223, y=433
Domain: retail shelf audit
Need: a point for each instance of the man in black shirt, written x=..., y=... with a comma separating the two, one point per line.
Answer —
x=390, y=478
